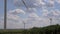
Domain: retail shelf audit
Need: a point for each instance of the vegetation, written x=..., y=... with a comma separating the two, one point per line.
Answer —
x=53, y=29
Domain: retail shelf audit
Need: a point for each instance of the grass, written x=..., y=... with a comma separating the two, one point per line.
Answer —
x=11, y=31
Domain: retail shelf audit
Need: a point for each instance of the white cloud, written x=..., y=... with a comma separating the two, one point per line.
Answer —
x=40, y=2
x=50, y=3
x=17, y=11
x=37, y=22
x=1, y=24
x=32, y=20
x=58, y=1
x=36, y=3
x=14, y=14
x=18, y=3
x=13, y=17
x=45, y=12
x=14, y=21
x=51, y=13
x=56, y=12
x=31, y=3
x=11, y=24
x=31, y=10
x=33, y=15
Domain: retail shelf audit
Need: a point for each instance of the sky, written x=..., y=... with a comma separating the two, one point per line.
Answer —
x=37, y=13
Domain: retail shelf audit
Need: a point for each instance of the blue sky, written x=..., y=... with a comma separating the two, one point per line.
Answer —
x=1, y=7
x=37, y=14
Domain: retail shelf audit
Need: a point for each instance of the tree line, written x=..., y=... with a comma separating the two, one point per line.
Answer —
x=52, y=29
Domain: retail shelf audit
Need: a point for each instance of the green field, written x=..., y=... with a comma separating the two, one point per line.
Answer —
x=53, y=29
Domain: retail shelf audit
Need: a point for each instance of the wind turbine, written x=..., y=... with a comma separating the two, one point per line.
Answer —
x=50, y=16
x=5, y=13
x=24, y=24
x=50, y=21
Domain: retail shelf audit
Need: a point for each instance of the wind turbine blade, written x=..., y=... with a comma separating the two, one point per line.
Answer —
x=24, y=4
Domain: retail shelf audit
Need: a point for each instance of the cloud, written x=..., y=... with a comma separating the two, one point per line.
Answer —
x=11, y=24
x=31, y=10
x=17, y=11
x=14, y=14
x=37, y=22
x=51, y=13
x=45, y=12
x=18, y=3
x=1, y=24
x=30, y=3
x=36, y=3
x=14, y=21
x=58, y=1
x=14, y=17
x=33, y=20
x=17, y=22
x=55, y=21
x=50, y=3
x=23, y=11
x=33, y=15
x=56, y=12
